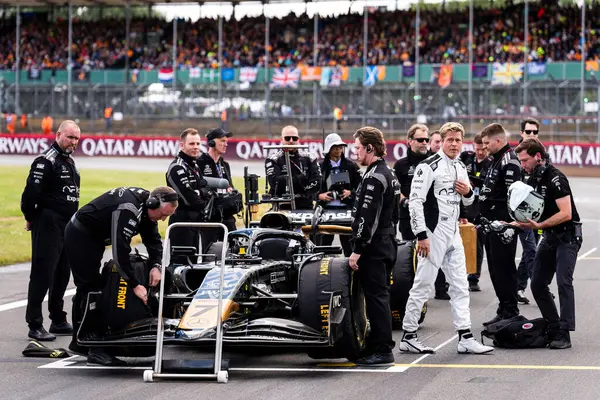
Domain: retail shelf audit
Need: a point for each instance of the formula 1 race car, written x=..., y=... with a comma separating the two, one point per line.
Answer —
x=280, y=289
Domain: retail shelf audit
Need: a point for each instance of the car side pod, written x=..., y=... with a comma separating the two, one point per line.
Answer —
x=190, y=369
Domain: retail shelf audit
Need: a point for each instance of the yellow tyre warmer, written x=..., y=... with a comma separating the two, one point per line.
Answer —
x=402, y=280
x=319, y=276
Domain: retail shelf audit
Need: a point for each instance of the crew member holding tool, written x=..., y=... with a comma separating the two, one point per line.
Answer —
x=341, y=178
x=306, y=174
x=185, y=177
x=374, y=246
x=114, y=218
x=560, y=244
x=228, y=202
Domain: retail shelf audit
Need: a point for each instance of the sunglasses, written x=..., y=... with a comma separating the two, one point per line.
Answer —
x=422, y=140
x=290, y=138
x=529, y=132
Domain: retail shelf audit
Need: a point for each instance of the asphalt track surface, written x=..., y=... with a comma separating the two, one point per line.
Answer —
x=504, y=374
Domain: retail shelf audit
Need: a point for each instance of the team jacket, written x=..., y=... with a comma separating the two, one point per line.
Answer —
x=306, y=174
x=405, y=171
x=552, y=184
x=220, y=169
x=114, y=218
x=434, y=202
x=345, y=165
x=376, y=207
x=185, y=178
x=504, y=169
x=53, y=183
x=476, y=171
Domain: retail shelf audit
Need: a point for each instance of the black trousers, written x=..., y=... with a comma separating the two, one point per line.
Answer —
x=525, y=269
x=183, y=236
x=49, y=269
x=327, y=240
x=374, y=268
x=212, y=235
x=555, y=255
x=407, y=234
x=503, y=273
x=85, y=257
x=480, y=249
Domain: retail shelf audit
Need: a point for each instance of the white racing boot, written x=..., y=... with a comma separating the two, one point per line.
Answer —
x=468, y=345
x=411, y=344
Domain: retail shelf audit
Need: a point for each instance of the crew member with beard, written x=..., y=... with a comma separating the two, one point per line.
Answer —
x=335, y=162
x=418, y=138
x=374, y=246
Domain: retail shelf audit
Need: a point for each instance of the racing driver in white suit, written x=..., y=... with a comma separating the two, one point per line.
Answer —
x=440, y=183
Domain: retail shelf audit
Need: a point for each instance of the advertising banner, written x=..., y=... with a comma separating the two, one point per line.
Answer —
x=568, y=154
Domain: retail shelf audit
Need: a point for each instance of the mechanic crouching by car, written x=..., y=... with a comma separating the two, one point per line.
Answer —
x=228, y=202
x=185, y=177
x=306, y=174
x=441, y=183
x=341, y=178
x=560, y=243
x=374, y=247
x=50, y=198
x=114, y=218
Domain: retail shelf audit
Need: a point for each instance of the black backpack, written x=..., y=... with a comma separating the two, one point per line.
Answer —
x=518, y=333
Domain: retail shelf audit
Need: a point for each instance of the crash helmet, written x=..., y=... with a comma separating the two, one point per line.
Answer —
x=524, y=203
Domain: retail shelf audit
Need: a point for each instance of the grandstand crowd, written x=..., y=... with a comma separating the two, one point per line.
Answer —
x=554, y=33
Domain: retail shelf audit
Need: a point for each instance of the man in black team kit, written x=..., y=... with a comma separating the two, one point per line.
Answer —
x=185, y=177
x=560, y=244
x=306, y=174
x=418, y=138
x=374, y=247
x=477, y=164
x=213, y=165
x=50, y=198
x=114, y=218
x=503, y=171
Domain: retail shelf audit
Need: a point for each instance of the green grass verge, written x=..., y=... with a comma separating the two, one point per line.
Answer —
x=15, y=241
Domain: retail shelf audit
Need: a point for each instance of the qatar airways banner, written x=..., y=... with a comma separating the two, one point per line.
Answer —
x=572, y=154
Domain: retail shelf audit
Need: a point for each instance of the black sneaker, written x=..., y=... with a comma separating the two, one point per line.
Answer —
x=377, y=360
x=521, y=297
x=76, y=348
x=497, y=318
x=563, y=341
x=99, y=356
x=61, y=328
x=442, y=295
x=41, y=334
x=474, y=287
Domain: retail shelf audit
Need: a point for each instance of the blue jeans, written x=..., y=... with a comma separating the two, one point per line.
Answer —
x=525, y=269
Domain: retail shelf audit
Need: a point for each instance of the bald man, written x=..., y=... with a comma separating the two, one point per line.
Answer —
x=306, y=172
x=50, y=198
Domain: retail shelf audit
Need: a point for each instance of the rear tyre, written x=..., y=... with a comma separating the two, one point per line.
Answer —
x=319, y=276
x=403, y=277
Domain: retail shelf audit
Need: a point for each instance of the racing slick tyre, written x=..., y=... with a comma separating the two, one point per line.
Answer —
x=318, y=278
x=403, y=277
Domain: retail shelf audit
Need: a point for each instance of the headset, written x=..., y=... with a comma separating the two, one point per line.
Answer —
x=154, y=202
x=369, y=148
x=211, y=142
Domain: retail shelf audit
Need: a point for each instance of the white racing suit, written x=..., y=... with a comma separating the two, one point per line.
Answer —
x=434, y=208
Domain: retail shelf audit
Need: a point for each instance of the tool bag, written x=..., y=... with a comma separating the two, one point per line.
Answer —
x=518, y=333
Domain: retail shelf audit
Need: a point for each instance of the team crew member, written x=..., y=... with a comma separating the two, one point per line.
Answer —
x=374, y=247
x=435, y=141
x=185, y=177
x=212, y=164
x=114, y=218
x=441, y=182
x=477, y=164
x=560, y=244
x=530, y=128
x=306, y=174
x=50, y=198
x=504, y=169
x=418, y=138
x=335, y=162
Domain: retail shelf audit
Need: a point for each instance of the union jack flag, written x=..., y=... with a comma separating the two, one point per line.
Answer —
x=285, y=77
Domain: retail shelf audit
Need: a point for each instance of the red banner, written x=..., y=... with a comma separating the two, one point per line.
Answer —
x=572, y=154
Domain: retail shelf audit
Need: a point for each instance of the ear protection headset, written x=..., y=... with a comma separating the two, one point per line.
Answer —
x=211, y=142
x=154, y=202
